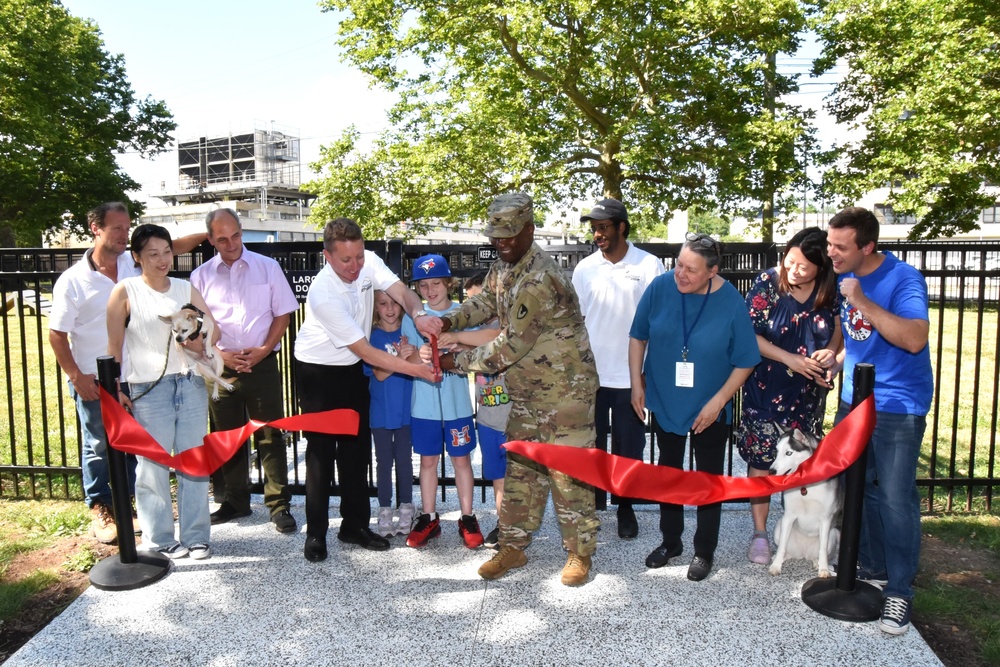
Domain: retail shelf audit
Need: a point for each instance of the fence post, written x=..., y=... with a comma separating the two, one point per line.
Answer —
x=130, y=569
x=843, y=597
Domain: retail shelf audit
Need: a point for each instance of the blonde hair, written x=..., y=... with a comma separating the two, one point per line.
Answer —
x=376, y=320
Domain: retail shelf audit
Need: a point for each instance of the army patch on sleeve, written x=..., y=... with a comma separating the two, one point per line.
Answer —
x=522, y=312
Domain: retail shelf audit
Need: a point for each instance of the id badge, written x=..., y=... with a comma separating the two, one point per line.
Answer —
x=685, y=374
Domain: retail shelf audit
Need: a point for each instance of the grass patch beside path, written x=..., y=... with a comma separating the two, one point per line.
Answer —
x=957, y=603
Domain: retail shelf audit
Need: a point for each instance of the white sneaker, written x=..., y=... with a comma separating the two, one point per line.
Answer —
x=407, y=512
x=385, y=527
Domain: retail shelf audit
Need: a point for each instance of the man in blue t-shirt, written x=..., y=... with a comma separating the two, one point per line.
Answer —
x=884, y=315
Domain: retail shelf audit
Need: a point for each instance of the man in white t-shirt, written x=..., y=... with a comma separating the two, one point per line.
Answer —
x=78, y=334
x=330, y=349
x=610, y=283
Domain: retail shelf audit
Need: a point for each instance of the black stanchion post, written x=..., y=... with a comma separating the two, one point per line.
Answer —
x=130, y=569
x=107, y=375
x=843, y=597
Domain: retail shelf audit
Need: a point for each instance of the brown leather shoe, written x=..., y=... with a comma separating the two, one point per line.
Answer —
x=507, y=558
x=102, y=524
x=576, y=570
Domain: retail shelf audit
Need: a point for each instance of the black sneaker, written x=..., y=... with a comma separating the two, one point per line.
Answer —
x=895, y=619
x=283, y=521
x=492, y=540
x=227, y=513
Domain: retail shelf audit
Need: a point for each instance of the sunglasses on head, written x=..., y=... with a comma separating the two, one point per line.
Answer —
x=704, y=240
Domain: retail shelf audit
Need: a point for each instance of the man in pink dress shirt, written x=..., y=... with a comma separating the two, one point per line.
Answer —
x=251, y=300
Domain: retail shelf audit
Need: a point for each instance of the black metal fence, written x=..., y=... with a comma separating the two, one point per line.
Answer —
x=39, y=444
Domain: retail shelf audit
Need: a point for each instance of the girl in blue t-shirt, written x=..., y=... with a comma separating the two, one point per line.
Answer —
x=441, y=416
x=391, y=394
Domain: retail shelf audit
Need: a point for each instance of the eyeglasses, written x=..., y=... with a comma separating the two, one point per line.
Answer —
x=705, y=241
x=600, y=229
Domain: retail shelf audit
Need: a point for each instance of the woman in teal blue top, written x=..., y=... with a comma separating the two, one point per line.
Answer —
x=691, y=348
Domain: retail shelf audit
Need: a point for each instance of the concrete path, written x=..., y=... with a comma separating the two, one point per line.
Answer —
x=257, y=601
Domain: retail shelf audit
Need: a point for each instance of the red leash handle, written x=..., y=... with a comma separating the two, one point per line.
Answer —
x=436, y=358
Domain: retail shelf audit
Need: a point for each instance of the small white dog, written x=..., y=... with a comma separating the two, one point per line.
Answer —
x=187, y=324
x=806, y=529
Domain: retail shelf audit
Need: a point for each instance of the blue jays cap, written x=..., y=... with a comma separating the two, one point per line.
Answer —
x=431, y=266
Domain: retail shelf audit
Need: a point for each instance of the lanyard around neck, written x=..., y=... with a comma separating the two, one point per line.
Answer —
x=687, y=332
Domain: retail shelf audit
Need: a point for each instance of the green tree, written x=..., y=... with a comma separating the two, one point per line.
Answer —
x=66, y=108
x=924, y=86
x=660, y=104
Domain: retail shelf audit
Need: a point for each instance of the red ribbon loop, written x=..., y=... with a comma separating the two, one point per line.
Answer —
x=126, y=435
x=634, y=479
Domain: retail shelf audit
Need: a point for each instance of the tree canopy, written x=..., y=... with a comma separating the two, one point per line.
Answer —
x=66, y=108
x=924, y=86
x=661, y=104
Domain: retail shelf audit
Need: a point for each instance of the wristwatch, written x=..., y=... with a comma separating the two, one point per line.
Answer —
x=420, y=313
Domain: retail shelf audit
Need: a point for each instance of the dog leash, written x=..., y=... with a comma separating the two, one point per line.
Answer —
x=166, y=361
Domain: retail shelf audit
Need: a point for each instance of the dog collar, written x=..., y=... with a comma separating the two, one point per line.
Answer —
x=200, y=319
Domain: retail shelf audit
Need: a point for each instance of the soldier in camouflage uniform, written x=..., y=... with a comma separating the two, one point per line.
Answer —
x=551, y=378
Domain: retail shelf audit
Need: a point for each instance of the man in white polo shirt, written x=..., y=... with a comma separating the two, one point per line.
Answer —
x=610, y=283
x=330, y=347
x=78, y=334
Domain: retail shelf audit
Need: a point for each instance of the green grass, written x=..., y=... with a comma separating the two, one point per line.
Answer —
x=27, y=526
x=13, y=596
x=42, y=434
x=957, y=605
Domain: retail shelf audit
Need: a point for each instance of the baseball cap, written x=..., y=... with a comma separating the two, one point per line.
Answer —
x=431, y=266
x=606, y=209
x=508, y=214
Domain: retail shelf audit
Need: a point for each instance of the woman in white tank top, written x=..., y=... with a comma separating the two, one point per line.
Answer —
x=169, y=400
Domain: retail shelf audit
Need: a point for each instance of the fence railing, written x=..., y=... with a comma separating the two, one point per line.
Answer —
x=40, y=443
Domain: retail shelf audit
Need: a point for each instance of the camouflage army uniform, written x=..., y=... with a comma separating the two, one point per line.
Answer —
x=551, y=378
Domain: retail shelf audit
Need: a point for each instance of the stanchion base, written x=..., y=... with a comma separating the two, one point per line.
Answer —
x=113, y=575
x=861, y=605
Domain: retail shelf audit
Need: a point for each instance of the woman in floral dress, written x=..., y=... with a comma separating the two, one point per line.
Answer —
x=794, y=313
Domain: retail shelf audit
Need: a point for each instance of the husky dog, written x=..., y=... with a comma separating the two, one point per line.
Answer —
x=806, y=529
x=187, y=324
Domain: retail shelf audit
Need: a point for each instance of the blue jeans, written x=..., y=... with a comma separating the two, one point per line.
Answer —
x=890, y=517
x=175, y=413
x=94, y=453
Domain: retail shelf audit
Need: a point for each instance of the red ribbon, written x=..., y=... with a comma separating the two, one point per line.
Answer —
x=436, y=358
x=126, y=435
x=634, y=479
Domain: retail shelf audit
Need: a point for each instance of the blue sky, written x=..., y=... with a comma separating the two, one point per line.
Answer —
x=226, y=65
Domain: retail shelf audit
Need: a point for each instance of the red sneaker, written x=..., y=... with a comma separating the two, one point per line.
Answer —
x=468, y=530
x=425, y=529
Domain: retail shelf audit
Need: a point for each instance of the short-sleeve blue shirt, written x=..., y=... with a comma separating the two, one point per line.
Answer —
x=391, y=397
x=722, y=339
x=904, y=382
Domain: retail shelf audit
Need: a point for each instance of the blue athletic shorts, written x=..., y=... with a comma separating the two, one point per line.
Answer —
x=494, y=456
x=459, y=436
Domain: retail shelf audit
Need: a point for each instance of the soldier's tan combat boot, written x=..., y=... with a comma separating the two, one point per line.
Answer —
x=102, y=524
x=507, y=558
x=576, y=570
